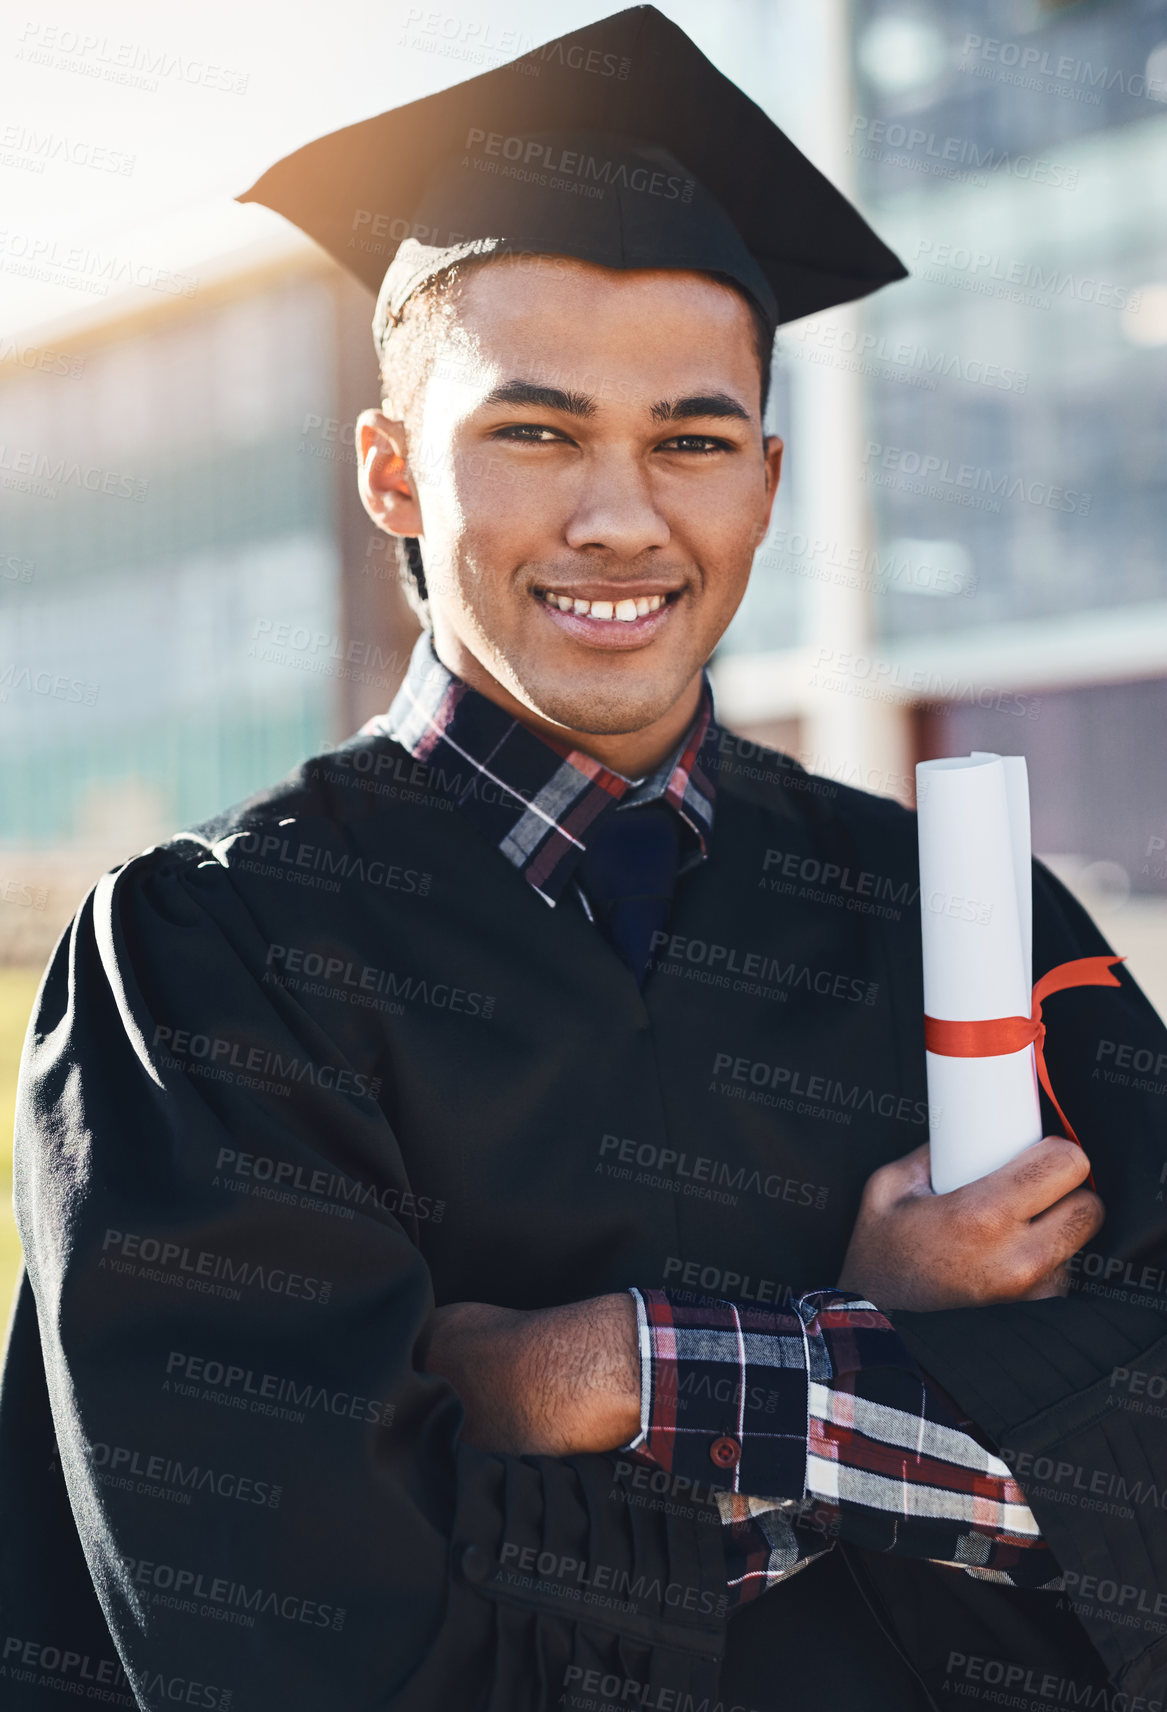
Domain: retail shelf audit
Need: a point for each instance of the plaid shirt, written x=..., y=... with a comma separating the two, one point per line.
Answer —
x=547, y=796
x=812, y=1425
x=816, y=1424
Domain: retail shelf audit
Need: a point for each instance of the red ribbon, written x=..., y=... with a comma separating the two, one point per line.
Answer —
x=994, y=1036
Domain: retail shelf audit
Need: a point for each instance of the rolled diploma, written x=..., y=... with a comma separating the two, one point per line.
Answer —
x=976, y=918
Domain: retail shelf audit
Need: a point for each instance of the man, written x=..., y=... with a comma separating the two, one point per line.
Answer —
x=451, y=1281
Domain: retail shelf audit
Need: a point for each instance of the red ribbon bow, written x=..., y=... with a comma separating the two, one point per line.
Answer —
x=993, y=1036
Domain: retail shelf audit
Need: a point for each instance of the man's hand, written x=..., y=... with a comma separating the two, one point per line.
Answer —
x=549, y=1382
x=1005, y=1238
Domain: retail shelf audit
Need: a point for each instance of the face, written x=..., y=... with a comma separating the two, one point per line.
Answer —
x=590, y=482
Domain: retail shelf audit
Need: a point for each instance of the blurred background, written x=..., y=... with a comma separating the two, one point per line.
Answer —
x=966, y=550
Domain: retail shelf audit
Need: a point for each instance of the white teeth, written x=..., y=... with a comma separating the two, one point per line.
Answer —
x=622, y=611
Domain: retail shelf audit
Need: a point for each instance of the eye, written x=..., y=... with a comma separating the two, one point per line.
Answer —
x=700, y=443
x=528, y=434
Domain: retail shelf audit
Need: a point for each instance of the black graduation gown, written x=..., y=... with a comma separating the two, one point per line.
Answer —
x=296, y=1077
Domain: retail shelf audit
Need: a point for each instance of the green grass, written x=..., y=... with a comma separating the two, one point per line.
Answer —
x=17, y=990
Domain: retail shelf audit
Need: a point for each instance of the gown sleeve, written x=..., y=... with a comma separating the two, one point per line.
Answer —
x=1065, y=1386
x=270, y=1493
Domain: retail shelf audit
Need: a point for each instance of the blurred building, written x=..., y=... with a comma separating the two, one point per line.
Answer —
x=1003, y=579
x=971, y=555
x=193, y=599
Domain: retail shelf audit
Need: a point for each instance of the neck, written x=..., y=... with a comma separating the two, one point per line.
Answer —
x=629, y=753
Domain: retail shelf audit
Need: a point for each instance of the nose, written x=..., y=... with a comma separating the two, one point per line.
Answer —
x=615, y=510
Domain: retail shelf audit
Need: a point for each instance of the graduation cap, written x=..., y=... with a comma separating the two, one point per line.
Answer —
x=619, y=143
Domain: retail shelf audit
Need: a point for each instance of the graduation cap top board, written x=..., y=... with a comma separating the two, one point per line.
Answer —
x=619, y=143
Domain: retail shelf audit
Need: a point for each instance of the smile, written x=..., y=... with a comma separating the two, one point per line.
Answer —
x=630, y=621
x=607, y=611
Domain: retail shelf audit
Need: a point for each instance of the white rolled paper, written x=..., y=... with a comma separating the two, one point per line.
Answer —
x=976, y=913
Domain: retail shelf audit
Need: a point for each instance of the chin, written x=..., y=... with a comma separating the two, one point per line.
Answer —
x=600, y=712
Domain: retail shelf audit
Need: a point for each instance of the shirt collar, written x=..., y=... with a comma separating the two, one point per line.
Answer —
x=535, y=799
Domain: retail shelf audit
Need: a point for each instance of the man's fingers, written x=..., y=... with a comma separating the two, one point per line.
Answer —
x=1061, y=1231
x=909, y=1175
x=1036, y=1179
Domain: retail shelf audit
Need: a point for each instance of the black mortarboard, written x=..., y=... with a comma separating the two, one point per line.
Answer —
x=619, y=144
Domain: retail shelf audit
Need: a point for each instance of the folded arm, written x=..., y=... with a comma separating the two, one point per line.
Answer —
x=809, y=1424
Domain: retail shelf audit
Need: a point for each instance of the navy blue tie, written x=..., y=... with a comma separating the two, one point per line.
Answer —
x=629, y=872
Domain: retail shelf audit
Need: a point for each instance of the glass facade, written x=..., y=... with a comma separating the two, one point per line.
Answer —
x=1015, y=155
x=169, y=549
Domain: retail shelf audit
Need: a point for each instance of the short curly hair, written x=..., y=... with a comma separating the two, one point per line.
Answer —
x=406, y=354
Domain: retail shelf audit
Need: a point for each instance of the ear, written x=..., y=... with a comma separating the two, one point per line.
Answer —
x=383, y=475
x=772, y=451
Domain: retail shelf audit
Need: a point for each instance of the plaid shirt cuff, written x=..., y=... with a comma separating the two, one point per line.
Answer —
x=723, y=1392
x=817, y=1424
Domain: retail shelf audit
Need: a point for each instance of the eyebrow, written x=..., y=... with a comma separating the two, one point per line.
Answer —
x=517, y=392
x=542, y=397
x=699, y=404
